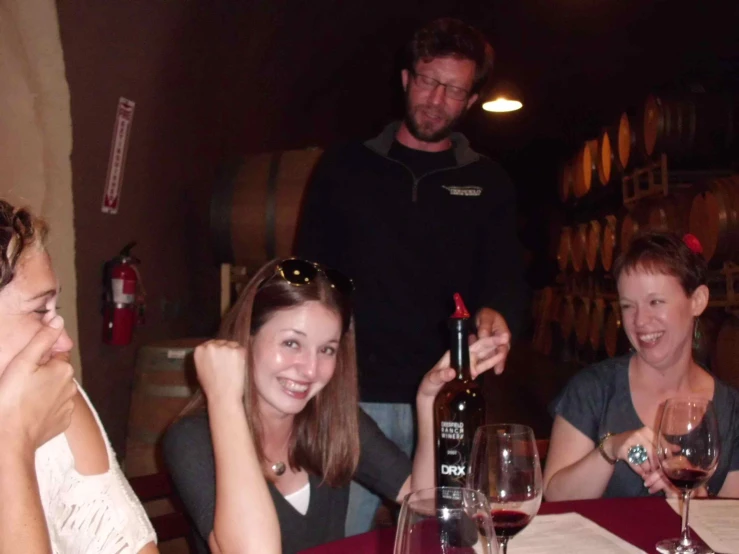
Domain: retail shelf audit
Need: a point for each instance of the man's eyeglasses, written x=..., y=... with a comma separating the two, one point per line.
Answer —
x=429, y=83
x=301, y=272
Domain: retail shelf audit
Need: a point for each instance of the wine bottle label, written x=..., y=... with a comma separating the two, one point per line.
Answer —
x=452, y=430
x=452, y=454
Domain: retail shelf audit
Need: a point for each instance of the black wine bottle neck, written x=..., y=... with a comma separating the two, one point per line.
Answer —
x=459, y=348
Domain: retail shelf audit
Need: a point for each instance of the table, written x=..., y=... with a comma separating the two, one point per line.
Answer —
x=641, y=521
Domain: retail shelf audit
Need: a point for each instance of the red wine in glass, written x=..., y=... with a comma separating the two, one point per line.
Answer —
x=508, y=523
x=688, y=451
x=687, y=478
x=505, y=466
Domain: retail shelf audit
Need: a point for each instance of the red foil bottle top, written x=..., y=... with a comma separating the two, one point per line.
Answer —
x=461, y=310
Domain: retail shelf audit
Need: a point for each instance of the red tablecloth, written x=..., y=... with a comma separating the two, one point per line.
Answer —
x=641, y=521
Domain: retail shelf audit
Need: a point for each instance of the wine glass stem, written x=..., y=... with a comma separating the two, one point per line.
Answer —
x=685, y=540
x=504, y=544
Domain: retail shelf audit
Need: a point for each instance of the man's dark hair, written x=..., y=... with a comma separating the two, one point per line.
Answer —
x=447, y=37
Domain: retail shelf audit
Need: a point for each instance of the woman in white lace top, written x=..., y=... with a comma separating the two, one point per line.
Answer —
x=87, y=503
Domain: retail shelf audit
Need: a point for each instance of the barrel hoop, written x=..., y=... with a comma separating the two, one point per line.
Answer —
x=220, y=223
x=165, y=391
x=270, y=209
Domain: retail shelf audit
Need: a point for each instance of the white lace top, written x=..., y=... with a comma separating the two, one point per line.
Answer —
x=89, y=513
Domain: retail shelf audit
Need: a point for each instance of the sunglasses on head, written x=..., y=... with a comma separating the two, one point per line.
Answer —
x=301, y=272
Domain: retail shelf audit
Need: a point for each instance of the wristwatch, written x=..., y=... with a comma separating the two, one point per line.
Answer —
x=602, y=450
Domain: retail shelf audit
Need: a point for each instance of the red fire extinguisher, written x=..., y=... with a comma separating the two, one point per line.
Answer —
x=123, y=302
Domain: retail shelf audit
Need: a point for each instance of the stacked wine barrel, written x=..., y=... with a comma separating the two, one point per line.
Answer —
x=696, y=136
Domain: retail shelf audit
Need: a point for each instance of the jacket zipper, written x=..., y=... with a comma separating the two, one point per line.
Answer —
x=414, y=189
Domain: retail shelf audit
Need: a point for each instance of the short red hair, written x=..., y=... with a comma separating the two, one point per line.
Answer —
x=666, y=253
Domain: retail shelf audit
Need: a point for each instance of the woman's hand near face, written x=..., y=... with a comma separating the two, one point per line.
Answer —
x=221, y=367
x=36, y=392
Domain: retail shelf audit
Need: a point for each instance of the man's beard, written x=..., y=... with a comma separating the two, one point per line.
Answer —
x=424, y=135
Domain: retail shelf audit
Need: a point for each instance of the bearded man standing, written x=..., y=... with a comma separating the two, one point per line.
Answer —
x=413, y=216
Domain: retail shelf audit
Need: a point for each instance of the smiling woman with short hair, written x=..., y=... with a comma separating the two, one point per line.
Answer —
x=602, y=441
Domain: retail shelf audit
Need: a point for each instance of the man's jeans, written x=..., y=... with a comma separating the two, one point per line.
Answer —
x=397, y=421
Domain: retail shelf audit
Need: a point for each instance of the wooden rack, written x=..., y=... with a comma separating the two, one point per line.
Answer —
x=655, y=179
x=644, y=182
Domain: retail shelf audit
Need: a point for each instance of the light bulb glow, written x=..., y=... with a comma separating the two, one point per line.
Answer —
x=502, y=105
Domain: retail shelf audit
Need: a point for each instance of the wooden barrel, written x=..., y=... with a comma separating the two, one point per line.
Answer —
x=593, y=244
x=605, y=158
x=586, y=355
x=566, y=317
x=545, y=300
x=613, y=139
x=566, y=185
x=631, y=223
x=726, y=354
x=535, y=302
x=582, y=320
x=714, y=219
x=543, y=337
x=164, y=383
x=699, y=126
x=627, y=149
x=615, y=341
x=596, y=326
x=255, y=206
x=564, y=253
x=609, y=242
x=670, y=213
x=578, y=245
x=585, y=169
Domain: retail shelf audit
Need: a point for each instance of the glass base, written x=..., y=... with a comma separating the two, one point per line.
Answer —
x=676, y=546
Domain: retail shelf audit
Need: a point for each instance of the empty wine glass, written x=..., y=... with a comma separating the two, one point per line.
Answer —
x=445, y=521
x=504, y=465
x=687, y=449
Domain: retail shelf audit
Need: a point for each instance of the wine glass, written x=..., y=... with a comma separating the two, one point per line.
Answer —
x=445, y=521
x=504, y=465
x=687, y=449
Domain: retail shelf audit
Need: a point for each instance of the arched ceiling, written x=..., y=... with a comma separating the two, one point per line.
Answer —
x=290, y=74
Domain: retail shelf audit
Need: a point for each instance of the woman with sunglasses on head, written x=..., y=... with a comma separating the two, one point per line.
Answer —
x=606, y=419
x=280, y=392
x=74, y=498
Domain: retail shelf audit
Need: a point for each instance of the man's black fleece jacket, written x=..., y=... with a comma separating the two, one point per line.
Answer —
x=409, y=244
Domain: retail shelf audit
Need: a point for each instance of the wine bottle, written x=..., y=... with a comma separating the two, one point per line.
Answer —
x=459, y=408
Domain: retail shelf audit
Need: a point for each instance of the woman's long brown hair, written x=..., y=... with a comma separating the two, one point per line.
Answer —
x=325, y=437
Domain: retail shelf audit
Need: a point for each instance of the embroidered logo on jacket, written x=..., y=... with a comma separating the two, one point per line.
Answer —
x=464, y=191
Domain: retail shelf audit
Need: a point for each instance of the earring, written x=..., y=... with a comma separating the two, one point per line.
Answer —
x=697, y=335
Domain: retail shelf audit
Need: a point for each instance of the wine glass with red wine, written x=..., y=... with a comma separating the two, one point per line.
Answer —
x=688, y=450
x=504, y=465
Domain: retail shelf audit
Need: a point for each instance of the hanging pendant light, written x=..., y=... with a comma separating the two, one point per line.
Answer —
x=504, y=97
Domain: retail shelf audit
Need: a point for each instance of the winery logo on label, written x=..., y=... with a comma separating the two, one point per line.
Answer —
x=452, y=430
x=464, y=191
x=453, y=470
